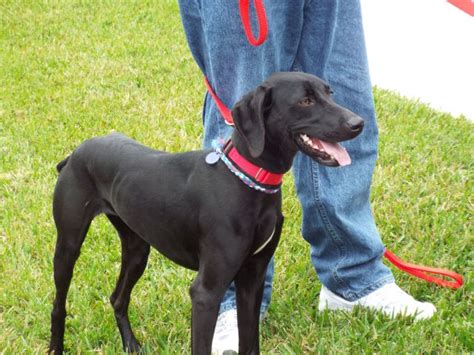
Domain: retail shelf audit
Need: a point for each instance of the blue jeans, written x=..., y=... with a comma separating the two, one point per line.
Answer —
x=324, y=38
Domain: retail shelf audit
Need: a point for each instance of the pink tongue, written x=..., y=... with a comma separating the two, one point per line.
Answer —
x=337, y=151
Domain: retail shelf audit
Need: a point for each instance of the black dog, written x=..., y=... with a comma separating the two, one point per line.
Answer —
x=197, y=213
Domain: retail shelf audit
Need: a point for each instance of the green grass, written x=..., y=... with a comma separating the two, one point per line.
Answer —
x=72, y=70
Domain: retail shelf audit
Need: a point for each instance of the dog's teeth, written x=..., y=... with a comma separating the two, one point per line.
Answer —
x=305, y=138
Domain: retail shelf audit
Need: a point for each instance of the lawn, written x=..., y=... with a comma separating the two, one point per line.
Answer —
x=73, y=70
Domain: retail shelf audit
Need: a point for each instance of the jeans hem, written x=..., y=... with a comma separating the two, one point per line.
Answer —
x=227, y=306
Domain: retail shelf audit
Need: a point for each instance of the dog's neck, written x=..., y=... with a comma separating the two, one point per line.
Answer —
x=273, y=158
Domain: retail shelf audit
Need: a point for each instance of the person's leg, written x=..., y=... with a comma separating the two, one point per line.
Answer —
x=346, y=249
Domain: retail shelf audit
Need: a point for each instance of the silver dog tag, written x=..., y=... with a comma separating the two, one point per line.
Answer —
x=212, y=158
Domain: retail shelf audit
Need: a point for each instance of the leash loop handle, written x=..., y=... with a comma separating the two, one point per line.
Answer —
x=244, y=7
x=423, y=272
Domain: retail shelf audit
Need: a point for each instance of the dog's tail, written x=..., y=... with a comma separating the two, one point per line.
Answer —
x=62, y=164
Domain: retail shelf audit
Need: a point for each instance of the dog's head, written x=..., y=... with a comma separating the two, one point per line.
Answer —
x=295, y=111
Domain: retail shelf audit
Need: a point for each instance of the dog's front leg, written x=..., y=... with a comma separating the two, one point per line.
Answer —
x=249, y=283
x=217, y=270
x=205, y=308
x=206, y=300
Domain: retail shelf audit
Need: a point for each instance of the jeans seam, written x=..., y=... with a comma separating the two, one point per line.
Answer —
x=331, y=37
x=292, y=63
x=204, y=110
x=327, y=225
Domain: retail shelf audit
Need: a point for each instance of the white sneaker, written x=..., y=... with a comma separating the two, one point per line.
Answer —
x=389, y=299
x=226, y=334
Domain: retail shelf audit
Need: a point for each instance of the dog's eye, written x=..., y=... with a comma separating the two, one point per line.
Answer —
x=306, y=102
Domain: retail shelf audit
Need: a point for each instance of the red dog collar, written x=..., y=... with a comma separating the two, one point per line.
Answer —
x=256, y=173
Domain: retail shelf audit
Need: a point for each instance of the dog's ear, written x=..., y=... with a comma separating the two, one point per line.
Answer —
x=249, y=118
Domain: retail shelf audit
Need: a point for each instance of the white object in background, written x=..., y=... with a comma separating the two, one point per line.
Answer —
x=422, y=49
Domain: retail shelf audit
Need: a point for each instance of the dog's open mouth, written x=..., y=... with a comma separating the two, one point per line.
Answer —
x=326, y=153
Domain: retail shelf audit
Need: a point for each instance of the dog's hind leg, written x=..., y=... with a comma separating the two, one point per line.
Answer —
x=135, y=253
x=73, y=210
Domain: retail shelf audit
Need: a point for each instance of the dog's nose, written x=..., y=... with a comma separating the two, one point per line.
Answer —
x=355, y=123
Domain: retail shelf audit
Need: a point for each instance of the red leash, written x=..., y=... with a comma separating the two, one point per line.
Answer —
x=423, y=272
x=223, y=109
x=419, y=271
x=244, y=7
